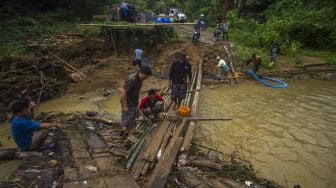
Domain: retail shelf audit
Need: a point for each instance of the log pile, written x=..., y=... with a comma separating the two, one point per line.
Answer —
x=36, y=78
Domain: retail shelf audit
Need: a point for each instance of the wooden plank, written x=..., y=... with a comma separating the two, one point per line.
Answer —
x=232, y=68
x=137, y=24
x=160, y=174
x=140, y=161
x=150, y=148
x=166, y=154
x=99, y=17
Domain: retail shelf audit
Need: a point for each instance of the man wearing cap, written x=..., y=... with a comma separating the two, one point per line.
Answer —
x=130, y=99
x=179, y=78
x=224, y=68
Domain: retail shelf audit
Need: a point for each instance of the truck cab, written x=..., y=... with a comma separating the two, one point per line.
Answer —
x=178, y=15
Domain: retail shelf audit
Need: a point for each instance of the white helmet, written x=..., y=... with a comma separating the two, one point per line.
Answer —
x=202, y=15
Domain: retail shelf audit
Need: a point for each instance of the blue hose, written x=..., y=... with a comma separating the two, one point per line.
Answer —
x=261, y=80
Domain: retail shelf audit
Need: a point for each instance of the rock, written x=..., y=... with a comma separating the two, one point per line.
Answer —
x=70, y=174
x=232, y=183
x=53, y=162
x=93, y=183
x=81, y=154
x=96, y=144
x=72, y=185
x=104, y=161
x=121, y=181
x=191, y=180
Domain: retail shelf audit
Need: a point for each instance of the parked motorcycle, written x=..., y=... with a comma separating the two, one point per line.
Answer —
x=197, y=34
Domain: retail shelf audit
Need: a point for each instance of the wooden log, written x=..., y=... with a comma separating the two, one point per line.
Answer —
x=106, y=121
x=232, y=68
x=118, y=152
x=8, y=153
x=207, y=164
x=316, y=64
x=203, y=118
x=160, y=174
x=189, y=134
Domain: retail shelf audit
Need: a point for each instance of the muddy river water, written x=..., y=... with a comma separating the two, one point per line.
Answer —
x=290, y=134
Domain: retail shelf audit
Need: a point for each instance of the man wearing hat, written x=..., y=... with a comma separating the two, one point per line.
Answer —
x=130, y=100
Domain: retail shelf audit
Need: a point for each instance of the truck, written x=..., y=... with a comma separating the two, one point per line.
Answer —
x=177, y=14
x=123, y=12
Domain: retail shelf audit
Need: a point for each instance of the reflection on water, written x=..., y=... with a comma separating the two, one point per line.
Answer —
x=289, y=133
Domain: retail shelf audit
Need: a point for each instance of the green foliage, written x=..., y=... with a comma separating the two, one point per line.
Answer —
x=329, y=56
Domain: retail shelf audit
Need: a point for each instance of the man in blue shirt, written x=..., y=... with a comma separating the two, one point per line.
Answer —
x=27, y=134
x=138, y=55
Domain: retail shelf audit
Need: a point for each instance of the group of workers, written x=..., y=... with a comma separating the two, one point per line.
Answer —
x=220, y=28
x=153, y=104
x=29, y=134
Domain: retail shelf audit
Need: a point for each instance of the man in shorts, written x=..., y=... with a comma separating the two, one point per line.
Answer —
x=179, y=78
x=130, y=100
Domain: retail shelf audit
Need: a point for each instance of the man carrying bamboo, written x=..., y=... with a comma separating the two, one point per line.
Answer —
x=179, y=78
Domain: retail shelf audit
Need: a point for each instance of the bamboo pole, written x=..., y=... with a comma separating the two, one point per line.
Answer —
x=137, y=24
x=189, y=134
x=114, y=46
x=61, y=60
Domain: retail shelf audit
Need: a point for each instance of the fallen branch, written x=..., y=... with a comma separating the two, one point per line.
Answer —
x=211, y=149
x=42, y=86
x=73, y=68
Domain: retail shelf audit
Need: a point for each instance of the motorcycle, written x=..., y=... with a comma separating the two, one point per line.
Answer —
x=197, y=34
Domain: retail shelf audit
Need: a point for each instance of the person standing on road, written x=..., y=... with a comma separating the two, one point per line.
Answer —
x=179, y=78
x=130, y=100
x=138, y=55
x=225, y=31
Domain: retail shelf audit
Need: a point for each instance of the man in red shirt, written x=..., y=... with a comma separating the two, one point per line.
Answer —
x=153, y=104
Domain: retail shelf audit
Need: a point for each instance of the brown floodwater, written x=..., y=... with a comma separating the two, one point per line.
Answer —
x=289, y=134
